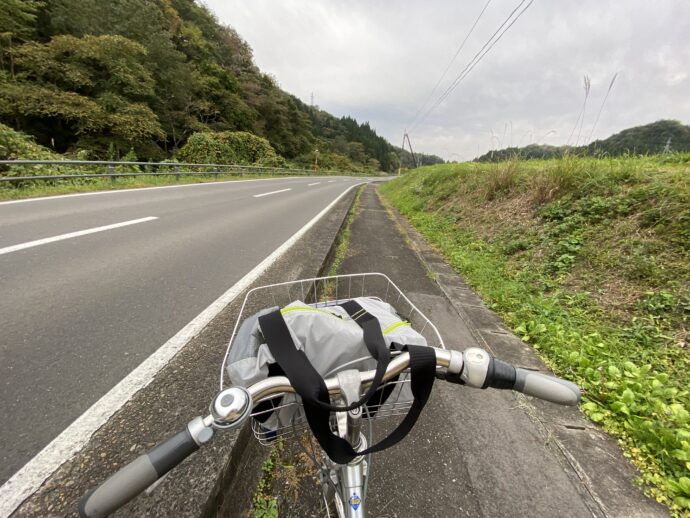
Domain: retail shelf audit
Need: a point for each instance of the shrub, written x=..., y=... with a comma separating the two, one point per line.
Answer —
x=229, y=147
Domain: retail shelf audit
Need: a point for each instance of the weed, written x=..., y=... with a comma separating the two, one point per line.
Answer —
x=56, y=187
x=343, y=243
x=501, y=180
x=264, y=505
x=597, y=280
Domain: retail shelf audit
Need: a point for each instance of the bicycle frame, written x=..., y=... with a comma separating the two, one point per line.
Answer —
x=349, y=479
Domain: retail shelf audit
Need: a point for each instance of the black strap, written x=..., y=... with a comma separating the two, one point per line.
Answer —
x=382, y=394
x=312, y=388
x=294, y=361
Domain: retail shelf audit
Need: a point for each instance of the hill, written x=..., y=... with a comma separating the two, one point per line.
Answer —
x=649, y=139
x=144, y=75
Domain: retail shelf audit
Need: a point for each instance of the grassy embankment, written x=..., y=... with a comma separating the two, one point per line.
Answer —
x=589, y=261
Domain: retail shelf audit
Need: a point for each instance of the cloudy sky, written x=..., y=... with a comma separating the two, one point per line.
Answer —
x=378, y=61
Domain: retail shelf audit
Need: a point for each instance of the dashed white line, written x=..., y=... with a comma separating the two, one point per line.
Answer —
x=331, y=181
x=28, y=479
x=62, y=237
x=269, y=193
x=311, y=184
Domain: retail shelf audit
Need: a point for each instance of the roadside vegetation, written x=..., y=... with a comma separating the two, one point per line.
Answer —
x=588, y=260
x=343, y=238
x=222, y=148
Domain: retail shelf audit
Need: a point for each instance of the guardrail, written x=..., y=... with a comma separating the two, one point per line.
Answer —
x=176, y=169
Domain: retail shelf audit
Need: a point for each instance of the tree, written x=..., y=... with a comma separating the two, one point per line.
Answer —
x=146, y=75
x=17, y=24
x=71, y=86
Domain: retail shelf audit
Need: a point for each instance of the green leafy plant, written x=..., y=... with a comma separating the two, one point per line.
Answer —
x=577, y=290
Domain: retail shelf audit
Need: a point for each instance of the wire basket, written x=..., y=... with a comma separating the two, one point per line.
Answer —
x=287, y=416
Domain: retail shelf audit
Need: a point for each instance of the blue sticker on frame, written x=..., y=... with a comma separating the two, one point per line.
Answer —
x=355, y=501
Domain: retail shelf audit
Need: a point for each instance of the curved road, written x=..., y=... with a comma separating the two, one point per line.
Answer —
x=79, y=310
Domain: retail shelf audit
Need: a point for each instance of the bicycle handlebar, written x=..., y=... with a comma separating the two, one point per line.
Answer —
x=474, y=367
x=139, y=474
x=231, y=407
x=481, y=370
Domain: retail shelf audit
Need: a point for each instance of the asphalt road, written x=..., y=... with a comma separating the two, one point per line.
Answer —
x=78, y=314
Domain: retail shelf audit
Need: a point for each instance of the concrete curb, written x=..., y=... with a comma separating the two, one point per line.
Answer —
x=217, y=480
x=250, y=454
x=591, y=457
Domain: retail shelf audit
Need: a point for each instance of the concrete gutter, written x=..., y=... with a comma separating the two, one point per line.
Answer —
x=182, y=390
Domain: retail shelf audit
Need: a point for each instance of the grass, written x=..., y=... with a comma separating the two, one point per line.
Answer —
x=284, y=475
x=344, y=237
x=588, y=260
x=264, y=505
x=38, y=189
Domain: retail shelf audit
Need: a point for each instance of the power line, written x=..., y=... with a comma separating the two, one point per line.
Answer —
x=450, y=63
x=589, y=139
x=478, y=56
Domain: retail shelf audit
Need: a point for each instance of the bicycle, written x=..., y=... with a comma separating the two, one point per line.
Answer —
x=344, y=486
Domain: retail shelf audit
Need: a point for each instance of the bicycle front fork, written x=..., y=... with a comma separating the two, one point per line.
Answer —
x=343, y=484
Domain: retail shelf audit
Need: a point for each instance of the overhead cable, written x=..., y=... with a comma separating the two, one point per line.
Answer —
x=495, y=37
x=450, y=63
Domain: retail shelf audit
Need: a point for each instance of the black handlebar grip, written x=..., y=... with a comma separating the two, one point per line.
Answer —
x=502, y=375
x=549, y=388
x=136, y=476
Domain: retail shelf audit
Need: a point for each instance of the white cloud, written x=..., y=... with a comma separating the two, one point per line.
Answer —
x=378, y=61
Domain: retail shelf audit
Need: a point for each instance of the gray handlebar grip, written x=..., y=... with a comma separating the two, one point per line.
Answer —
x=545, y=387
x=119, y=489
x=136, y=476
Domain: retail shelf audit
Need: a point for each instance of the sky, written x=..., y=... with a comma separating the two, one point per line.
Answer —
x=379, y=60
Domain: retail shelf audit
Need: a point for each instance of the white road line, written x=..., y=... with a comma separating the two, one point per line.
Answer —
x=331, y=181
x=29, y=478
x=62, y=237
x=315, y=183
x=118, y=191
x=269, y=193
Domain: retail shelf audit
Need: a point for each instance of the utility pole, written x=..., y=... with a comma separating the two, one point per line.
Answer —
x=312, y=99
x=400, y=157
x=667, y=147
x=414, y=157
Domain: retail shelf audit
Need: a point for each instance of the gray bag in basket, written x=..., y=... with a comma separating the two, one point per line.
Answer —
x=332, y=341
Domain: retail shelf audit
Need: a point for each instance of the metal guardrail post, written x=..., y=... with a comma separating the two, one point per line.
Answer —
x=176, y=169
x=111, y=171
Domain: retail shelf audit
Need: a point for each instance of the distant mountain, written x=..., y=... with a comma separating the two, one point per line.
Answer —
x=649, y=139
